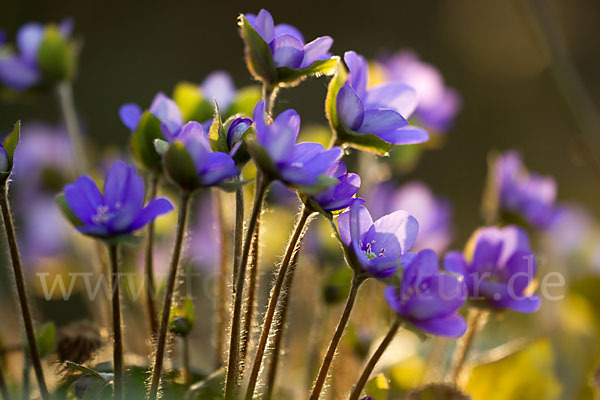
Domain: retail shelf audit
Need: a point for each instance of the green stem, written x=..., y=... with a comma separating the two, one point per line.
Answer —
x=149, y=265
x=221, y=297
x=113, y=251
x=275, y=292
x=234, y=369
x=170, y=289
x=357, y=281
x=187, y=372
x=251, y=297
x=268, y=94
x=364, y=377
x=13, y=246
x=67, y=106
x=26, y=375
x=280, y=320
x=475, y=322
x=238, y=236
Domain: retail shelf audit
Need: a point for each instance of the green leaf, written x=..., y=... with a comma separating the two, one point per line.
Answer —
x=84, y=370
x=313, y=205
x=45, y=338
x=378, y=387
x=525, y=375
x=345, y=136
x=142, y=142
x=258, y=55
x=337, y=285
x=261, y=158
x=437, y=391
x=245, y=100
x=180, y=167
x=217, y=133
x=193, y=105
x=292, y=77
x=56, y=56
x=323, y=182
x=182, y=318
x=10, y=146
x=209, y=389
x=66, y=211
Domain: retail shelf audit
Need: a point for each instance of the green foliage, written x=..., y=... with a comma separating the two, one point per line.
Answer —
x=10, y=145
x=193, y=105
x=142, y=142
x=292, y=77
x=437, y=391
x=337, y=285
x=378, y=387
x=45, y=337
x=180, y=167
x=345, y=136
x=182, y=318
x=258, y=55
x=209, y=389
x=56, y=56
x=525, y=375
x=217, y=133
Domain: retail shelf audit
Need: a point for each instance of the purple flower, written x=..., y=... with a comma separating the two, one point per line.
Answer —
x=119, y=210
x=287, y=43
x=219, y=86
x=340, y=195
x=4, y=160
x=381, y=110
x=21, y=71
x=212, y=167
x=296, y=164
x=162, y=107
x=527, y=194
x=438, y=104
x=498, y=268
x=380, y=246
x=433, y=213
x=427, y=298
x=236, y=130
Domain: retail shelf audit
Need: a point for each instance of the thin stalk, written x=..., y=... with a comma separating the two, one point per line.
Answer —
x=184, y=203
x=280, y=321
x=364, y=377
x=13, y=246
x=149, y=264
x=26, y=376
x=221, y=296
x=187, y=372
x=268, y=95
x=357, y=281
x=67, y=105
x=3, y=387
x=234, y=369
x=275, y=292
x=238, y=236
x=251, y=297
x=475, y=321
x=113, y=251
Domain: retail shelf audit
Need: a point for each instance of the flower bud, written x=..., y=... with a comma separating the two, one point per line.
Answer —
x=4, y=160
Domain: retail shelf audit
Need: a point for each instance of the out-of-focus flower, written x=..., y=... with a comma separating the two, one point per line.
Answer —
x=4, y=160
x=205, y=234
x=498, y=267
x=219, y=86
x=428, y=298
x=340, y=195
x=526, y=194
x=433, y=213
x=286, y=43
x=301, y=164
x=438, y=104
x=382, y=110
x=32, y=63
x=381, y=246
x=119, y=210
x=236, y=130
x=162, y=107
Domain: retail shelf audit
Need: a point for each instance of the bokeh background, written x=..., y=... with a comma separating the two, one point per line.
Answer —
x=487, y=50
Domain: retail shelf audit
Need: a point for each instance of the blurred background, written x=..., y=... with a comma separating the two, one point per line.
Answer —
x=487, y=50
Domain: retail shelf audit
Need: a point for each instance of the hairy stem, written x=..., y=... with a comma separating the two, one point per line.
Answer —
x=221, y=296
x=357, y=281
x=275, y=292
x=234, y=369
x=170, y=289
x=238, y=236
x=149, y=264
x=15, y=256
x=251, y=296
x=113, y=251
x=280, y=320
x=67, y=105
x=364, y=377
x=475, y=322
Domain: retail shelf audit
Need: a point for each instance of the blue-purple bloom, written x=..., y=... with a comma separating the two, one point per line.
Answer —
x=498, y=268
x=296, y=163
x=433, y=213
x=119, y=210
x=438, y=103
x=162, y=107
x=382, y=110
x=287, y=43
x=380, y=246
x=212, y=167
x=525, y=193
x=236, y=130
x=428, y=298
x=21, y=71
x=340, y=195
